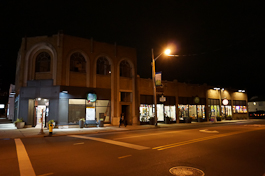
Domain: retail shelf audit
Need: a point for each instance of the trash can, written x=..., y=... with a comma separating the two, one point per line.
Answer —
x=101, y=123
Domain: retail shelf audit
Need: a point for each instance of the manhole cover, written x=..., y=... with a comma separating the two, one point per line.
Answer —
x=185, y=171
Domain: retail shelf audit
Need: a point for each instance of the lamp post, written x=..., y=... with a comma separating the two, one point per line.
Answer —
x=167, y=52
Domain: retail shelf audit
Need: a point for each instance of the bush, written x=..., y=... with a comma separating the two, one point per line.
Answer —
x=82, y=119
x=18, y=120
x=51, y=122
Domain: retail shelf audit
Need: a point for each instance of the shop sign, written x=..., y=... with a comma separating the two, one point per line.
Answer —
x=225, y=102
x=196, y=100
x=158, y=77
x=162, y=98
x=91, y=97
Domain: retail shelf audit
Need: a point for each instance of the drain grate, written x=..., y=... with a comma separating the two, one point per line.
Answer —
x=186, y=171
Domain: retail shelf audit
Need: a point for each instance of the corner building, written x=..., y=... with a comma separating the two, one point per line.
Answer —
x=66, y=78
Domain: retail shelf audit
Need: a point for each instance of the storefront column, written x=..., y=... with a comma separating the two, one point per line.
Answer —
x=232, y=104
x=207, y=107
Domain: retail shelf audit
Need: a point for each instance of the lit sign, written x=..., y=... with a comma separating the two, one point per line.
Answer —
x=225, y=102
x=91, y=97
x=197, y=100
x=158, y=76
x=2, y=106
x=162, y=98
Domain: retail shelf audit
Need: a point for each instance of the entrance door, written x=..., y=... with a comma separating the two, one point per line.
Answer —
x=40, y=112
x=127, y=113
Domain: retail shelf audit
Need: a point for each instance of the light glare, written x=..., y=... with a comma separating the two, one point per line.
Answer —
x=167, y=52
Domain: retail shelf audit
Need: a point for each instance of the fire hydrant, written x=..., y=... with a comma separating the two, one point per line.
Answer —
x=50, y=129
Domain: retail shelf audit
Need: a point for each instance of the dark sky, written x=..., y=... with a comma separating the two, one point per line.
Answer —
x=220, y=43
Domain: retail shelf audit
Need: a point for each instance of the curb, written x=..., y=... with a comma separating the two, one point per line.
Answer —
x=123, y=129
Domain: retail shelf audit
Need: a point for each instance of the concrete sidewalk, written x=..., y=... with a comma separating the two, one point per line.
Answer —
x=8, y=129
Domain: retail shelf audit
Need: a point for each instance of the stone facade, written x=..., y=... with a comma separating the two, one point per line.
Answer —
x=61, y=69
x=61, y=48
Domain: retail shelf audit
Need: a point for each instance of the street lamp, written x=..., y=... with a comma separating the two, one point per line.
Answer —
x=167, y=52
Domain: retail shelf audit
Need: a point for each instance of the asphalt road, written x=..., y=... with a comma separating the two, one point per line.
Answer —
x=214, y=149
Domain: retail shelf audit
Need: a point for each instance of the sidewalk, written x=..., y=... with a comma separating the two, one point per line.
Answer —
x=8, y=129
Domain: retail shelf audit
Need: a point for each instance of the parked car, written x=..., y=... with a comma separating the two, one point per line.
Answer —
x=257, y=115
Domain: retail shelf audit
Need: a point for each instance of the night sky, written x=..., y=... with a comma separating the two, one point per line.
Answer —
x=221, y=43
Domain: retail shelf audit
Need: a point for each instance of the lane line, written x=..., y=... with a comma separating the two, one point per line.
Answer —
x=79, y=143
x=206, y=131
x=121, y=157
x=124, y=144
x=200, y=139
x=25, y=166
x=46, y=174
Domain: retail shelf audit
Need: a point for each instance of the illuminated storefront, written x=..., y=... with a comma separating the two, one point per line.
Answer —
x=146, y=111
x=214, y=108
x=170, y=111
x=226, y=109
x=167, y=109
x=239, y=106
x=82, y=108
x=191, y=107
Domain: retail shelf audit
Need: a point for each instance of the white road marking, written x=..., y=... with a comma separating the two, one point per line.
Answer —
x=152, y=134
x=256, y=125
x=46, y=174
x=124, y=156
x=133, y=146
x=25, y=166
x=206, y=131
x=79, y=143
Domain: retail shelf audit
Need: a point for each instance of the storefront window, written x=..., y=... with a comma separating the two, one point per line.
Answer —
x=201, y=111
x=160, y=112
x=103, y=110
x=227, y=110
x=170, y=111
x=77, y=110
x=240, y=109
x=90, y=110
x=192, y=111
x=215, y=111
x=81, y=108
x=183, y=111
x=145, y=112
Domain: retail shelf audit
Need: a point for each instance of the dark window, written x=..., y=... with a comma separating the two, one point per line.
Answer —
x=213, y=102
x=43, y=62
x=77, y=63
x=103, y=66
x=126, y=96
x=239, y=103
x=125, y=69
x=169, y=100
x=146, y=99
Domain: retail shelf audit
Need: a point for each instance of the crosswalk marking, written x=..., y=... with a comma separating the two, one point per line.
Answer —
x=25, y=166
x=124, y=144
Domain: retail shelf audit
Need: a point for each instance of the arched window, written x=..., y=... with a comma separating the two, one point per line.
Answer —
x=43, y=62
x=77, y=63
x=125, y=69
x=103, y=66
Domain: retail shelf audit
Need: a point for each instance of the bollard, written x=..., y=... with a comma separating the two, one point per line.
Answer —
x=50, y=129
